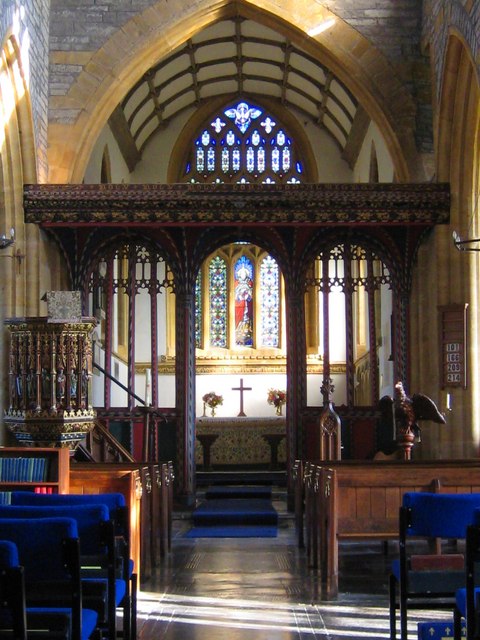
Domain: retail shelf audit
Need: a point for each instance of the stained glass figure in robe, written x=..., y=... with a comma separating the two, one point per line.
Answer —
x=243, y=275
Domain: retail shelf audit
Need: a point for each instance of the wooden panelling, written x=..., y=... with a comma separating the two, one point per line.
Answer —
x=367, y=497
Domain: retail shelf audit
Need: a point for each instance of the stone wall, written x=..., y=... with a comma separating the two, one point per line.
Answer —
x=440, y=18
x=28, y=23
x=393, y=27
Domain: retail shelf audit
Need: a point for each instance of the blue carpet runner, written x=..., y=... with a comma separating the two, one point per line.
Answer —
x=235, y=512
x=231, y=491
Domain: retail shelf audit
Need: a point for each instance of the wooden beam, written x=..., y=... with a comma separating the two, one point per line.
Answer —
x=121, y=132
x=358, y=131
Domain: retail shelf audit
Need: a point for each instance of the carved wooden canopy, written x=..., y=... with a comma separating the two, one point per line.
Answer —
x=240, y=204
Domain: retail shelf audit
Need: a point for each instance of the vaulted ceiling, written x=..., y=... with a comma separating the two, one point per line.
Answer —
x=237, y=56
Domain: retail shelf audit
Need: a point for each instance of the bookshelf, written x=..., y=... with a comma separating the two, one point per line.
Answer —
x=39, y=469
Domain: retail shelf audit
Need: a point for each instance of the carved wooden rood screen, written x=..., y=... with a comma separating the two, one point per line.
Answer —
x=296, y=223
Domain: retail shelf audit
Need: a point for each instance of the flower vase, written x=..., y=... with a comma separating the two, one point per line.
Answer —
x=278, y=409
x=213, y=412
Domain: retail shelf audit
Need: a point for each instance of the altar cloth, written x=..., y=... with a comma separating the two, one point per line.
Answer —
x=240, y=440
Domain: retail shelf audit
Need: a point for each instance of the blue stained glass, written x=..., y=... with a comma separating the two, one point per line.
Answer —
x=270, y=302
x=225, y=160
x=211, y=159
x=265, y=149
x=198, y=311
x=218, y=125
x=250, y=160
x=243, y=115
x=261, y=159
x=218, y=302
x=243, y=277
x=200, y=160
x=276, y=160
x=256, y=139
x=236, y=159
x=268, y=124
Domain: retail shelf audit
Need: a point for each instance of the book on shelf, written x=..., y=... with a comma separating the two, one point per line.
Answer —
x=23, y=469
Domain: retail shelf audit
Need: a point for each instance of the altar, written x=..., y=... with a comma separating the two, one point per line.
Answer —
x=241, y=441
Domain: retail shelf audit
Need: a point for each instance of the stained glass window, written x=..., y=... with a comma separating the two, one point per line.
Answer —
x=244, y=144
x=239, y=304
x=244, y=302
x=270, y=305
x=199, y=311
x=218, y=302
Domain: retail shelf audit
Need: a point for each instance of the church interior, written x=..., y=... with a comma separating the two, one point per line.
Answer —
x=240, y=247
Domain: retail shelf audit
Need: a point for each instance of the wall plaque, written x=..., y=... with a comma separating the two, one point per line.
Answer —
x=453, y=347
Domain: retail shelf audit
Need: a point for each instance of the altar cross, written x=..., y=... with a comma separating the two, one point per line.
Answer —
x=241, y=388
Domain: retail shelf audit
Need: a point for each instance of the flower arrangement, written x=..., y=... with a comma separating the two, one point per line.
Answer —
x=212, y=400
x=278, y=398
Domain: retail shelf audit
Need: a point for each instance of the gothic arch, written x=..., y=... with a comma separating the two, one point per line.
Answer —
x=182, y=144
x=100, y=241
x=456, y=273
x=156, y=32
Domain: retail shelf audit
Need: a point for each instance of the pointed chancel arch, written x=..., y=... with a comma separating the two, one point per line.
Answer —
x=450, y=275
x=113, y=69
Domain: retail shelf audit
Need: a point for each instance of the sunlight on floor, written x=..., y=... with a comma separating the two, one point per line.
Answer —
x=316, y=620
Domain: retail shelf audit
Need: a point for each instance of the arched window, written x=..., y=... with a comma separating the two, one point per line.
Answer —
x=242, y=143
x=239, y=306
x=238, y=295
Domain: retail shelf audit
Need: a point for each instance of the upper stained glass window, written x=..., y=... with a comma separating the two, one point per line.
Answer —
x=244, y=144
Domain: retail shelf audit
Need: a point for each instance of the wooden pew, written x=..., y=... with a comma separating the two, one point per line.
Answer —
x=298, y=471
x=361, y=501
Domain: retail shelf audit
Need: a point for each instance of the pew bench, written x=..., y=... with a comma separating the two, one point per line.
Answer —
x=361, y=501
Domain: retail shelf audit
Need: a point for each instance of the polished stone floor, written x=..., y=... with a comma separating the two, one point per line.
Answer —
x=263, y=589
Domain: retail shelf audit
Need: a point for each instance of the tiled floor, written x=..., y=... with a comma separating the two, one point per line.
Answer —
x=262, y=589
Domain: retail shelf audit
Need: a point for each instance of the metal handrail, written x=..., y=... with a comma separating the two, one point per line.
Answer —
x=120, y=384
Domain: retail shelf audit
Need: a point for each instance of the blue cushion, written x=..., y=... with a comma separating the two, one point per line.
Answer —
x=461, y=599
x=441, y=515
x=89, y=617
x=8, y=554
x=476, y=517
x=120, y=587
x=112, y=500
x=88, y=518
x=32, y=536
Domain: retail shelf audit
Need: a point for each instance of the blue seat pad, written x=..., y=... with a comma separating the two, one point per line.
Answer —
x=89, y=617
x=461, y=599
x=120, y=587
x=441, y=515
x=88, y=517
x=32, y=536
x=8, y=554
